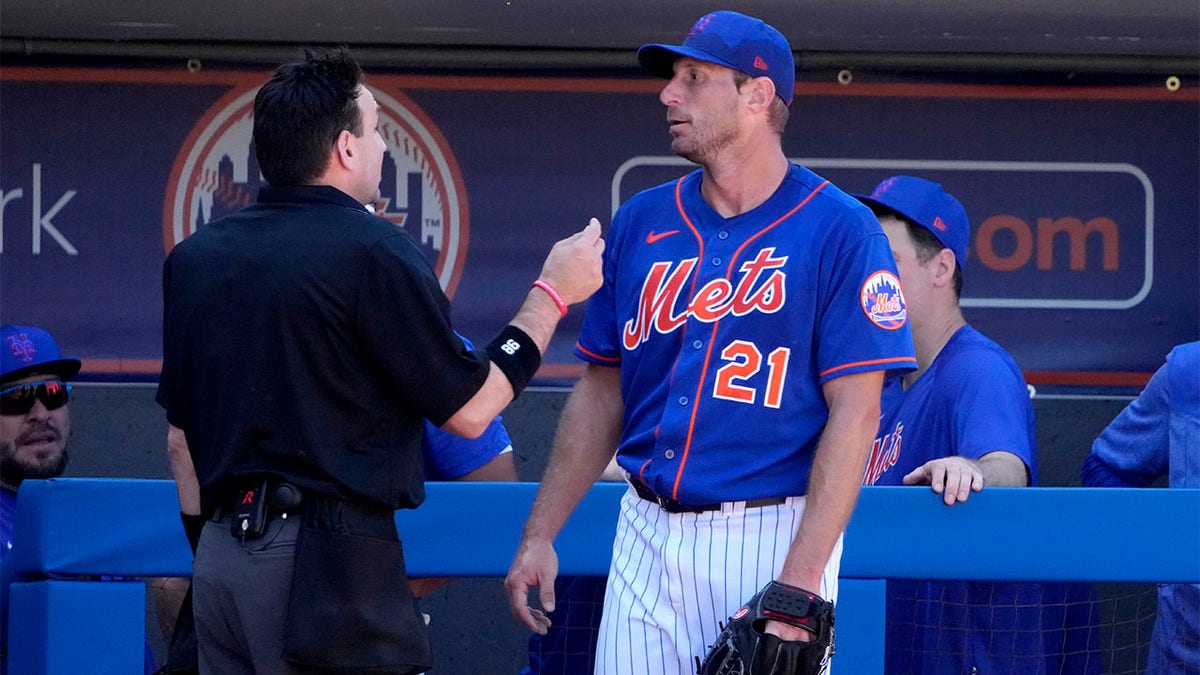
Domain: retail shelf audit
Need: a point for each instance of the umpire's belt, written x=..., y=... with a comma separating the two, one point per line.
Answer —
x=672, y=506
x=283, y=498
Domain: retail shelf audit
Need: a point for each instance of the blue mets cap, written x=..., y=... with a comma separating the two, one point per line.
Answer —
x=25, y=350
x=928, y=205
x=733, y=40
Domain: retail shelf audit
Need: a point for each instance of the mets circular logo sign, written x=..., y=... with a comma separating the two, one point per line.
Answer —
x=883, y=301
x=215, y=173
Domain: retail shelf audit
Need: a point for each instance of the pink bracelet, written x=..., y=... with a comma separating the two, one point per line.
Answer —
x=558, y=299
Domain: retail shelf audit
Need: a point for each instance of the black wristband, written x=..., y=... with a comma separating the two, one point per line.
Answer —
x=517, y=356
x=192, y=525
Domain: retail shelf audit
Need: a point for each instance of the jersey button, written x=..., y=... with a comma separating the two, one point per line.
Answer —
x=696, y=344
x=722, y=235
x=670, y=454
x=716, y=261
x=683, y=400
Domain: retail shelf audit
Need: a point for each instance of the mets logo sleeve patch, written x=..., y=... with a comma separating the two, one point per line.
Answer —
x=883, y=301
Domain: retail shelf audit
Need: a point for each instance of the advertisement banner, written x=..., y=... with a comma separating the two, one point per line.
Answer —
x=1084, y=260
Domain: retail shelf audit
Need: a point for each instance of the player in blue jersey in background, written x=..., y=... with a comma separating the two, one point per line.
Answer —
x=963, y=420
x=1157, y=435
x=35, y=434
x=448, y=457
x=735, y=356
x=35, y=431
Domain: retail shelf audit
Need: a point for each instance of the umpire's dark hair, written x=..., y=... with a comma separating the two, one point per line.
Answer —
x=300, y=111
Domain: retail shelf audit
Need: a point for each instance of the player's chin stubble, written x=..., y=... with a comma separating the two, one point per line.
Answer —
x=702, y=144
x=13, y=469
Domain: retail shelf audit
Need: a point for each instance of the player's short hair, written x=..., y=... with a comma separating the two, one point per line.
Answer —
x=301, y=110
x=777, y=114
x=925, y=243
x=927, y=246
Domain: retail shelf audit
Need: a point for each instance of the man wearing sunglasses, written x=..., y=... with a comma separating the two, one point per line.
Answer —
x=35, y=421
x=35, y=426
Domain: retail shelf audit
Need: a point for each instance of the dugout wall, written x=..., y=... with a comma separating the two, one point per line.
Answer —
x=120, y=433
x=78, y=541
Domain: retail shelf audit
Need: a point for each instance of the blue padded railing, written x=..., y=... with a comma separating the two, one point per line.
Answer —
x=69, y=532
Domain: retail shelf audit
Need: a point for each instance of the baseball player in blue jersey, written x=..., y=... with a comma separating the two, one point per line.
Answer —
x=735, y=356
x=449, y=457
x=963, y=420
x=485, y=458
x=1157, y=435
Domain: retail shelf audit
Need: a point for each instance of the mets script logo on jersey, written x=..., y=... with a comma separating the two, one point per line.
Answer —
x=883, y=301
x=759, y=288
x=884, y=453
x=216, y=173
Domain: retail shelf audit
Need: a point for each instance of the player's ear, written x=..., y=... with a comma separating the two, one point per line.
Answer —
x=762, y=91
x=944, y=264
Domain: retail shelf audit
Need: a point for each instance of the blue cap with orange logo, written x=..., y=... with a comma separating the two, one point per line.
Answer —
x=25, y=350
x=928, y=205
x=733, y=40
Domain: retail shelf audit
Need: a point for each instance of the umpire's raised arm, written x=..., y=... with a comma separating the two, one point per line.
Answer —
x=307, y=342
x=570, y=274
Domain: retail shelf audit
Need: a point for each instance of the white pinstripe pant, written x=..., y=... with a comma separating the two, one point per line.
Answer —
x=674, y=575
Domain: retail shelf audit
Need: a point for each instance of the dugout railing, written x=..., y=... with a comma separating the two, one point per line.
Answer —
x=75, y=603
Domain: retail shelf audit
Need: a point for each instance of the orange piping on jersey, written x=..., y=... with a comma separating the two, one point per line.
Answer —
x=687, y=444
x=734, y=259
x=691, y=288
x=598, y=357
x=683, y=333
x=898, y=359
x=641, y=472
x=691, y=291
x=695, y=233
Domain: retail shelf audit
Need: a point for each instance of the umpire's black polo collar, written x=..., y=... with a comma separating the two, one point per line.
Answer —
x=308, y=194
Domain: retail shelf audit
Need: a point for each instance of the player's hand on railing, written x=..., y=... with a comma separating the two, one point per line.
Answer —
x=955, y=478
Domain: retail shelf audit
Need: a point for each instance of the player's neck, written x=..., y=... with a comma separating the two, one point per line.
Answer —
x=739, y=182
x=930, y=337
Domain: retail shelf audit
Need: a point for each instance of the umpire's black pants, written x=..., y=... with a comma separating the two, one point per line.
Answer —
x=241, y=598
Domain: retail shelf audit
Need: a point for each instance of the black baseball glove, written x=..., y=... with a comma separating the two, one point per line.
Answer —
x=743, y=648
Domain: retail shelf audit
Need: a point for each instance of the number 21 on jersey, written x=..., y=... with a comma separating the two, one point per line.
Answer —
x=744, y=360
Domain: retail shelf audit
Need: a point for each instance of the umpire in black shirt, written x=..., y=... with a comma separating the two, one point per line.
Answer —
x=304, y=340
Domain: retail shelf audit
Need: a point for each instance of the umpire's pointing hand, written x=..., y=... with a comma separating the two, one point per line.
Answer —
x=573, y=266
